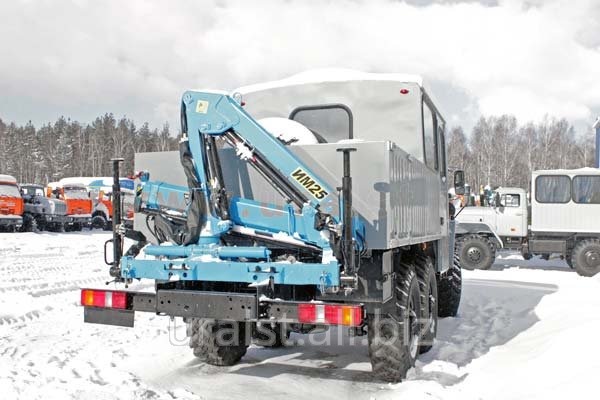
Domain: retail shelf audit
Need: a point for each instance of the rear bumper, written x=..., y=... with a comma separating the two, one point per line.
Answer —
x=223, y=306
x=11, y=220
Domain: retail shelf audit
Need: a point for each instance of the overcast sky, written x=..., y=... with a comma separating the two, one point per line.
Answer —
x=82, y=58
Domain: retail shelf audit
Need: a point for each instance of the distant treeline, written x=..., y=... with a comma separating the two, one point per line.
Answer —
x=500, y=152
x=70, y=148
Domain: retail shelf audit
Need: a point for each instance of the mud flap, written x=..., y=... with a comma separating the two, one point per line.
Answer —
x=108, y=316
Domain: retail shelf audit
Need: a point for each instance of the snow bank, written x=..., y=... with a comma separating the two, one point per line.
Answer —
x=525, y=330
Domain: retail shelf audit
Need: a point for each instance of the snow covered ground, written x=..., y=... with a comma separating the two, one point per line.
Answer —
x=526, y=330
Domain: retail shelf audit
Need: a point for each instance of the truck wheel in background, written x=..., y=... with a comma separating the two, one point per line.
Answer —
x=274, y=336
x=525, y=252
x=221, y=343
x=569, y=260
x=394, y=339
x=29, y=224
x=99, y=222
x=476, y=252
x=586, y=257
x=77, y=227
x=429, y=302
x=450, y=289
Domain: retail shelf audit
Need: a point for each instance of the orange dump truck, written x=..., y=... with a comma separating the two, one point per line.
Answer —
x=11, y=204
x=79, y=204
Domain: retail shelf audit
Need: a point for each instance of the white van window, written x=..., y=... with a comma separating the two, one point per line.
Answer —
x=553, y=189
x=586, y=189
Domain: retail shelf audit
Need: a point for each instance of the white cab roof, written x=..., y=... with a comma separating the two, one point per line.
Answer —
x=8, y=178
x=511, y=189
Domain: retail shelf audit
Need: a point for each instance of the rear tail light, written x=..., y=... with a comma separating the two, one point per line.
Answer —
x=330, y=314
x=103, y=298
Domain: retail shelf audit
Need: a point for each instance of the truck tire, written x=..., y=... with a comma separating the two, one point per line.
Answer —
x=525, y=252
x=99, y=222
x=29, y=224
x=221, y=343
x=394, y=339
x=450, y=289
x=429, y=302
x=267, y=335
x=476, y=252
x=586, y=257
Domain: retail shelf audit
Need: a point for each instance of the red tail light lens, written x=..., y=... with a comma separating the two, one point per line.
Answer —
x=306, y=313
x=103, y=298
x=119, y=300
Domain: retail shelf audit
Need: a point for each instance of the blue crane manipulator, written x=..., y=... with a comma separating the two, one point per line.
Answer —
x=203, y=234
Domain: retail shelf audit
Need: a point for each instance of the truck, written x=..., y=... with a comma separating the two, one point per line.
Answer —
x=41, y=212
x=11, y=204
x=79, y=205
x=482, y=230
x=259, y=233
x=565, y=209
x=101, y=193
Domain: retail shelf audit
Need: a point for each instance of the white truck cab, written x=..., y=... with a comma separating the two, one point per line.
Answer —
x=507, y=215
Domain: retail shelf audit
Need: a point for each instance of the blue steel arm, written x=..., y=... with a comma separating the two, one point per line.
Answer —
x=215, y=114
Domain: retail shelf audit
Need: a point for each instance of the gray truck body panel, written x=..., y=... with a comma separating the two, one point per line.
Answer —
x=391, y=190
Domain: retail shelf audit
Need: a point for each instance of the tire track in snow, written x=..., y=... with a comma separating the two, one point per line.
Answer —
x=52, y=288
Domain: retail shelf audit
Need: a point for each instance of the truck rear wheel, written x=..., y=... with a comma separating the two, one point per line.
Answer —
x=586, y=257
x=221, y=343
x=99, y=222
x=429, y=302
x=394, y=339
x=450, y=288
x=476, y=252
x=29, y=223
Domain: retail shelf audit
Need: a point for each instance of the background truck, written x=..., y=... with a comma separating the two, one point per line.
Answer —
x=41, y=212
x=482, y=230
x=253, y=237
x=11, y=204
x=565, y=210
x=101, y=194
x=79, y=205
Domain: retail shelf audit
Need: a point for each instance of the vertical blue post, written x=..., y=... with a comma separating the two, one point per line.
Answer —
x=597, y=127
